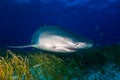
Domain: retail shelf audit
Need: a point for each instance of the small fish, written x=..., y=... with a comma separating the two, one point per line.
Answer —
x=56, y=39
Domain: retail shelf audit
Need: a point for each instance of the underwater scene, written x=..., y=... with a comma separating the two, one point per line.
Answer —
x=59, y=39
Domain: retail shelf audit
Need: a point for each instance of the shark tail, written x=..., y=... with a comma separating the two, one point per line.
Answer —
x=26, y=46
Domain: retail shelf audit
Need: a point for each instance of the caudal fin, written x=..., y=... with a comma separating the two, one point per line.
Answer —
x=26, y=46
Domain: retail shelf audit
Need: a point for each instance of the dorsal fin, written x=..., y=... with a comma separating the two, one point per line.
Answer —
x=47, y=30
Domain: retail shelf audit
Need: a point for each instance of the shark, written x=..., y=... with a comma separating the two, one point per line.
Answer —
x=57, y=39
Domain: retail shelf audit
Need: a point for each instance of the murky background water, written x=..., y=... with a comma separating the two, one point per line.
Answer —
x=97, y=20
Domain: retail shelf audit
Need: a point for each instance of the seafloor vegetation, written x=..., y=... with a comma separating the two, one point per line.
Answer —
x=91, y=64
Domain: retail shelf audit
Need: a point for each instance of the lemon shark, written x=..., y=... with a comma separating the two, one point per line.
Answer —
x=56, y=39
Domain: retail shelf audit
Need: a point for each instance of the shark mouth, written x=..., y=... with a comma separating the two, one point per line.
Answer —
x=71, y=49
x=66, y=49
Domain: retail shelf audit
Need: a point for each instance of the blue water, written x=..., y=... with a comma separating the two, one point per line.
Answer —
x=98, y=20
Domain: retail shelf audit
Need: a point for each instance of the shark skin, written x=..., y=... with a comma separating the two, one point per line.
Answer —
x=55, y=39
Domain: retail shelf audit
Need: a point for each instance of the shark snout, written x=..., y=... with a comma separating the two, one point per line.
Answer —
x=83, y=45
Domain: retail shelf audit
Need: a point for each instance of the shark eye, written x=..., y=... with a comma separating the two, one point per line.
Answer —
x=54, y=47
x=76, y=44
